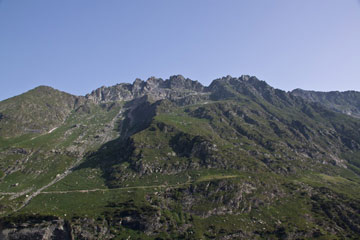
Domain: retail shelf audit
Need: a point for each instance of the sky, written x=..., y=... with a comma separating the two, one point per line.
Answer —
x=78, y=46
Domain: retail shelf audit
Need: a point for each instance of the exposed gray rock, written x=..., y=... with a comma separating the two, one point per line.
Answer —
x=56, y=229
x=155, y=88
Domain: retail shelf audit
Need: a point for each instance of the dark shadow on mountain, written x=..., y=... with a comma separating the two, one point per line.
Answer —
x=111, y=153
x=139, y=115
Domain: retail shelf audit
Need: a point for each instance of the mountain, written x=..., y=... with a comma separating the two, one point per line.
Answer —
x=173, y=159
x=345, y=102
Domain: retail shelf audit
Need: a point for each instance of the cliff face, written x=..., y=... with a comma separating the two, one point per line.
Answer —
x=156, y=88
x=37, y=228
x=172, y=159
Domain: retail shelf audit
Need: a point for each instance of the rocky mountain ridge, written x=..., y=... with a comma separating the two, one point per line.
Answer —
x=15, y=112
x=172, y=159
x=156, y=88
x=347, y=102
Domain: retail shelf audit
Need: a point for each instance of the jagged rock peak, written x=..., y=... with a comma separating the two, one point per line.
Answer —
x=156, y=88
x=242, y=80
x=180, y=82
x=174, y=82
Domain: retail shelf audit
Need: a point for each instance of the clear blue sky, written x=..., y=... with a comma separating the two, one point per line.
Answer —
x=79, y=45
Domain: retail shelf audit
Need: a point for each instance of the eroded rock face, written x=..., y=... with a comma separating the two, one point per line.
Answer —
x=156, y=88
x=42, y=229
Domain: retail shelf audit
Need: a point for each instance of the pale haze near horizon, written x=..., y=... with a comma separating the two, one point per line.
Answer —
x=78, y=46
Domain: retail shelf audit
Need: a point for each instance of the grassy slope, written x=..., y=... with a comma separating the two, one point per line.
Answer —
x=51, y=154
x=36, y=111
x=289, y=212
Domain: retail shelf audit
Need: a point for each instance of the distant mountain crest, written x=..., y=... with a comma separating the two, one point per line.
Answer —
x=44, y=108
x=347, y=102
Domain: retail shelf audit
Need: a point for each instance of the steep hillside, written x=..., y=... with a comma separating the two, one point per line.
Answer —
x=172, y=159
x=344, y=102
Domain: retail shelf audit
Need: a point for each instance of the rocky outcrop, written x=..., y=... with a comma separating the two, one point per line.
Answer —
x=155, y=88
x=250, y=86
x=35, y=228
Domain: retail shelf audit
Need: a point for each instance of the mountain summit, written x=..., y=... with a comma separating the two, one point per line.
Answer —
x=156, y=88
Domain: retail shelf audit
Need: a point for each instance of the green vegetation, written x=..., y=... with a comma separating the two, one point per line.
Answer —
x=241, y=160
